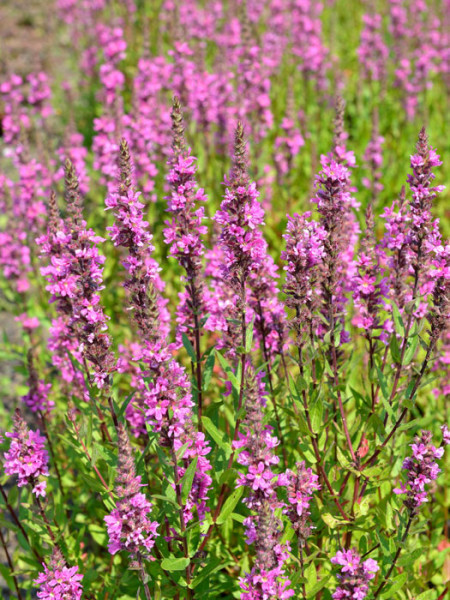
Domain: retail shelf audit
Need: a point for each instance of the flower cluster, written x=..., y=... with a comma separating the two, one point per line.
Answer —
x=75, y=277
x=333, y=201
x=354, y=576
x=239, y=216
x=369, y=287
x=164, y=398
x=304, y=256
x=58, y=581
x=27, y=457
x=373, y=51
x=422, y=469
x=300, y=484
x=37, y=399
x=130, y=231
x=267, y=577
x=184, y=231
x=423, y=231
x=129, y=527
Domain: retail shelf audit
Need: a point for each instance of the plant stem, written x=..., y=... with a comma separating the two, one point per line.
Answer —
x=316, y=446
x=18, y=523
x=11, y=566
x=397, y=424
x=46, y=521
x=272, y=395
x=143, y=578
x=302, y=569
x=198, y=369
x=182, y=520
x=50, y=446
x=397, y=554
x=88, y=456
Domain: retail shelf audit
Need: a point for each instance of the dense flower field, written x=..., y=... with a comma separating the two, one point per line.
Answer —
x=225, y=300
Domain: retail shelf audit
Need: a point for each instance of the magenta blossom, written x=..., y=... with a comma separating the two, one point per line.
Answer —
x=354, y=576
x=27, y=457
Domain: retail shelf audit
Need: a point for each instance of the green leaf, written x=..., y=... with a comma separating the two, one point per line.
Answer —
x=410, y=558
x=175, y=564
x=230, y=505
x=228, y=370
x=316, y=413
x=217, y=435
x=187, y=479
x=189, y=347
x=311, y=576
x=316, y=589
x=331, y=521
x=398, y=321
x=388, y=408
x=213, y=565
x=208, y=370
x=396, y=353
x=428, y=595
x=397, y=584
x=413, y=342
x=123, y=408
x=362, y=508
x=249, y=337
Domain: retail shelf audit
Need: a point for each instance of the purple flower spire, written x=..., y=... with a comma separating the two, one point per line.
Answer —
x=164, y=390
x=354, y=576
x=75, y=277
x=369, y=288
x=262, y=527
x=129, y=527
x=130, y=231
x=37, y=398
x=267, y=578
x=422, y=469
x=393, y=248
x=412, y=235
x=185, y=229
x=301, y=484
x=373, y=52
x=27, y=457
x=333, y=200
x=373, y=158
x=242, y=246
x=257, y=443
x=304, y=254
x=58, y=581
x=423, y=236
x=240, y=216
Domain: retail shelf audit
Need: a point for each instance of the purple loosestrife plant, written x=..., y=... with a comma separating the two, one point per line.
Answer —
x=129, y=525
x=301, y=483
x=422, y=469
x=27, y=457
x=59, y=581
x=37, y=399
x=332, y=199
x=183, y=233
x=241, y=243
x=263, y=528
x=74, y=276
x=185, y=230
x=228, y=509
x=354, y=576
x=165, y=390
x=130, y=231
x=304, y=255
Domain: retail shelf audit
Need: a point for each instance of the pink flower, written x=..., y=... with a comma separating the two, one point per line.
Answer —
x=27, y=457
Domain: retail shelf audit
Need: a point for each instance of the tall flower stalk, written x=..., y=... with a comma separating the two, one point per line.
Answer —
x=183, y=233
